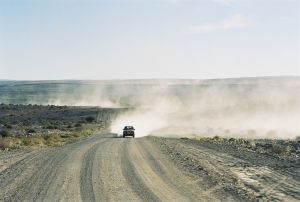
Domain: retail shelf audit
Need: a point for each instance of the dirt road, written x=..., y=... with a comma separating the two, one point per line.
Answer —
x=106, y=168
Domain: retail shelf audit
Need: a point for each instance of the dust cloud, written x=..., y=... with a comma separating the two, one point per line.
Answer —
x=263, y=107
x=250, y=108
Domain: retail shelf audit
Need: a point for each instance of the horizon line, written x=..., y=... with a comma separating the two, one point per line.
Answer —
x=156, y=79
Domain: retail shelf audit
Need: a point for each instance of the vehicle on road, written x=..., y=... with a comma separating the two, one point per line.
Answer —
x=128, y=131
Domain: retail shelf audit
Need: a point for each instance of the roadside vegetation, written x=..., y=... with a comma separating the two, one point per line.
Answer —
x=39, y=126
x=52, y=139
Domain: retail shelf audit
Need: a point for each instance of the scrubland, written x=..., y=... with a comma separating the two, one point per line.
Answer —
x=39, y=126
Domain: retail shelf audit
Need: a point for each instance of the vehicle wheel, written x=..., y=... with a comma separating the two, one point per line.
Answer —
x=133, y=136
x=124, y=136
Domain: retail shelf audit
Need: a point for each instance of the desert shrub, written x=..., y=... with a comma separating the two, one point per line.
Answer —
x=216, y=138
x=78, y=125
x=8, y=126
x=4, y=133
x=200, y=138
x=76, y=134
x=278, y=149
x=244, y=143
x=50, y=127
x=79, y=129
x=90, y=119
x=65, y=135
x=31, y=130
x=10, y=143
x=26, y=123
x=297, y=138
x=53, y=139
x=231, y=139
x=34, y=141
x=252, y=145
x=289, y=149
x=3, y=144
x=81, y=132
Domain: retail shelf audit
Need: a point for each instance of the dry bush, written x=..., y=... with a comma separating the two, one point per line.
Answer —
x=53, y=140
x=4, y=133
x=90, y=119
x=279, y=149
x=252, y=145
x=82, y=133
x=78, y=125
x=3, y=144
x=30, y=130
x=34, y=141
x=200, y=138
x=65, y=135
x=8, y=143
x=76, y=135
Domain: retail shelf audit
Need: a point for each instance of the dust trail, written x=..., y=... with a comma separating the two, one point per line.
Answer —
x=246, y=107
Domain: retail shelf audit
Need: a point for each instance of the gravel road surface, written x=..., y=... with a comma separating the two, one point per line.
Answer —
x=104, y=167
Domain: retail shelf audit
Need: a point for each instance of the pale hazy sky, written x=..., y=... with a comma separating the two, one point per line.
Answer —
x=131, y=39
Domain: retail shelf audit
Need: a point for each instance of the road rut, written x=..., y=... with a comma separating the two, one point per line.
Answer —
x=104, y=167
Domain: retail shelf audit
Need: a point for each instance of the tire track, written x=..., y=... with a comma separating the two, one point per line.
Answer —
x=104, y=168
x=30, y=178
x=109, y=182
x=153, y=177
x=16, y=178
x=66, y=185
x=86, y=177
x=7, y=160
x=167, y=170
x=36, y=187
x=133, y=178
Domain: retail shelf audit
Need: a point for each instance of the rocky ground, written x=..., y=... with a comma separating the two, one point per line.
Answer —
x=236, y=165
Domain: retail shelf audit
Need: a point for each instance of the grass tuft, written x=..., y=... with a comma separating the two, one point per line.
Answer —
x=35, y=141
x=53, y=140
